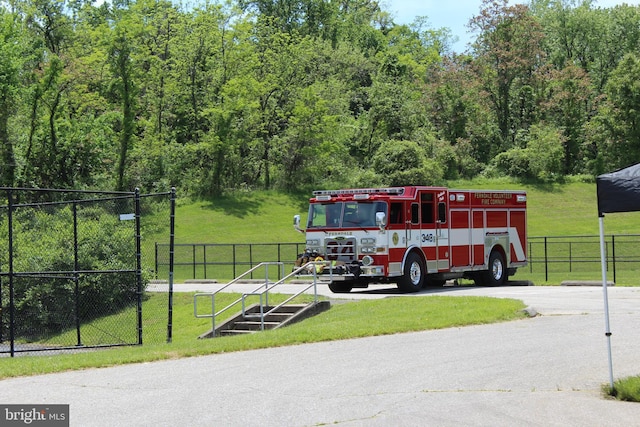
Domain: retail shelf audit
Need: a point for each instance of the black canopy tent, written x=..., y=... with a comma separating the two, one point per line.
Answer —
x=617, y=191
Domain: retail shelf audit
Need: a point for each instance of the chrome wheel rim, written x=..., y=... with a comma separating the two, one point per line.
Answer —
x=415, y=273
x=497, y=270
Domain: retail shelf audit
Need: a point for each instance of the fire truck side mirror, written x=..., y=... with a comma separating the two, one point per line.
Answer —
x=381, y=220
x=296, y=223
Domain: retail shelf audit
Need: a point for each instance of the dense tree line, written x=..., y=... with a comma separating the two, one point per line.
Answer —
x=295, y=94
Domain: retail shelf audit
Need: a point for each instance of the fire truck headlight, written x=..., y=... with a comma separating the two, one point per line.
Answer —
x=367, y=260
x=367, y=250
x=313, y=242
x=368, y=241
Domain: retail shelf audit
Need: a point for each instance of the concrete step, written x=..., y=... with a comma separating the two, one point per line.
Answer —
x=254, y=325
x=273, y=317
x=250, y=322
x=230, y=332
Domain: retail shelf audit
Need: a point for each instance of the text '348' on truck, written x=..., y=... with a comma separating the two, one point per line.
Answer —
x=415, y=236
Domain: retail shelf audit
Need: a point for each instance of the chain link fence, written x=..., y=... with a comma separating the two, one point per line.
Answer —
x=75, y=269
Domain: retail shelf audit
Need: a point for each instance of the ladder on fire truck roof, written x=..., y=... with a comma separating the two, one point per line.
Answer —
x=262, y=316
x=391, y=190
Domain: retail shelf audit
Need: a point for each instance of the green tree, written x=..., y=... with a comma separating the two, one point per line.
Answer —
x=10, y=67
x=568, y=96
x=592, y=38
x=507, y=55
x=263, y=98
x=154, y=59
x=461, y=113
x=120, y=58
x=616, y=128
x=50, y=31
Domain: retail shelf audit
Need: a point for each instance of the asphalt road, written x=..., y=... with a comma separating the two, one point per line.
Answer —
x=542, y=371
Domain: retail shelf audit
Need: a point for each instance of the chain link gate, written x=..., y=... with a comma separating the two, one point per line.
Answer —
x=76, y=267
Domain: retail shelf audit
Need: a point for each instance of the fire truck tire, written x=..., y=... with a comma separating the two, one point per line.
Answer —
x=413, y=278
x=497, y=273
x=340, y=287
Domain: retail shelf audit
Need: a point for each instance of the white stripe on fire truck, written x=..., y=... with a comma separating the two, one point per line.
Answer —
x=460, y=237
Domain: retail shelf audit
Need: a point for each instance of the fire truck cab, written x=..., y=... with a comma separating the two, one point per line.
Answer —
x=415, y=236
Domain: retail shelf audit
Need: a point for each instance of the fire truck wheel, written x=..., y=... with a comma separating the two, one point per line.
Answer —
x=413, y=278
x=497, y=272
x=340, y=287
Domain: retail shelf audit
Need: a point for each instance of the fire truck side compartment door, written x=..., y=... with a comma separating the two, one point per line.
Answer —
x=498, y=239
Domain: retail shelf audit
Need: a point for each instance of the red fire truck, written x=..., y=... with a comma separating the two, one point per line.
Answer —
x=415, y=236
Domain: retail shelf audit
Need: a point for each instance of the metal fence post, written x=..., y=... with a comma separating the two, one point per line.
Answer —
x=570, y=259
x=251, y=258
x=204, y=259
x=138, y=261
x=12, y=308
x=76, y=279
x=613, y=255
x=156, y=260
x=172, y=223
x=234, y=261
x=546, y=261
x=193, y=257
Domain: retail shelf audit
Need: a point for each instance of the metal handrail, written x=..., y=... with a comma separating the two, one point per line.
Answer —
x=262, y=290
x=213, y=314
x=282, y=304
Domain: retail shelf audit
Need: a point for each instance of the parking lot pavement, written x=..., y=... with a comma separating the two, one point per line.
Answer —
x=542, y=371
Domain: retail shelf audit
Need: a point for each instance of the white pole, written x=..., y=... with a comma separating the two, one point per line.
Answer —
x=603, y=261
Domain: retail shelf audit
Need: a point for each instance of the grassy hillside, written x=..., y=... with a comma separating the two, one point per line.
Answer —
x=553, y=210
x=266, y=217
x=257, y=217
x=563, y=209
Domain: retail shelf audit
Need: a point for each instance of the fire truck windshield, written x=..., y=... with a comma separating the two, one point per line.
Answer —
x=344, y=214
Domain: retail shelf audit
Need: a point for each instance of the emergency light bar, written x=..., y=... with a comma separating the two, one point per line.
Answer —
x=361, y=191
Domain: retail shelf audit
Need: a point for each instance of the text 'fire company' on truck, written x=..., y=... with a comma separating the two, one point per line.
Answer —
x=415, y=236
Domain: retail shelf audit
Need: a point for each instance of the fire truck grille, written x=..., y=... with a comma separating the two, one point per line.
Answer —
x=341, y=249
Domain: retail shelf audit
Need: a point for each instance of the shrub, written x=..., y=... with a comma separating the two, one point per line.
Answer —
x=405, y=163
x=542, y=159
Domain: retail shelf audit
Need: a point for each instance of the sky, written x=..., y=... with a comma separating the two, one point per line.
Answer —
x=454, y=14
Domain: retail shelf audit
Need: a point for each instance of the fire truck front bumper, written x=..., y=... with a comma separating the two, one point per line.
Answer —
x=352, y=272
